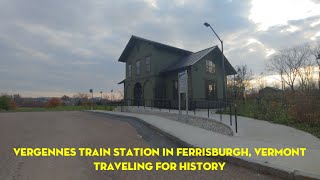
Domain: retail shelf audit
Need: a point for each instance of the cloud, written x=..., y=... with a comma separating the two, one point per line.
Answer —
x=71, y=46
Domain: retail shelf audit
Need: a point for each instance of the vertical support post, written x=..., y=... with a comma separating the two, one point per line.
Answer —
x=230, y=116
x=208, y=109
x=220, y=111
x=179, y=103
x=151, y=103
x=236, y=118
x=187, y=98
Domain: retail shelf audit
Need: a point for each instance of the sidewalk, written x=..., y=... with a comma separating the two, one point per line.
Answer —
x=259, y=130
x=282, y=166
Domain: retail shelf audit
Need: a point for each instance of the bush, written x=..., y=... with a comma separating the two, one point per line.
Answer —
x=54, y=102
x=6, y=103
x=305, y=108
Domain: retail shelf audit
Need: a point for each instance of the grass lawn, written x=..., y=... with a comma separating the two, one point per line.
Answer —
x=63, y=108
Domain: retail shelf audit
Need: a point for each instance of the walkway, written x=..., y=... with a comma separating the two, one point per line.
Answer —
x=198, y=137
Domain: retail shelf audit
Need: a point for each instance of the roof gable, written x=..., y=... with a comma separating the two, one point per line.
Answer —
x=193, y=58
x=134, y=39
x=189, y=60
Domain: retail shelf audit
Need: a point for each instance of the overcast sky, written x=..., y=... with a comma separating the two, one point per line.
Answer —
x=56, y=47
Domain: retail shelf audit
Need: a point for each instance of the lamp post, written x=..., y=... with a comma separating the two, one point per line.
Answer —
x=91, y=91
x=318, y=61
x=223, y=71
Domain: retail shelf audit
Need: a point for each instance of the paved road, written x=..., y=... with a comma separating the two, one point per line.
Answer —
x=84, y=129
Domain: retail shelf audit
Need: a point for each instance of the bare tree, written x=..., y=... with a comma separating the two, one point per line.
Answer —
x=288, y=62
x=315, y=51
x=261, y=81
x=121, y=95
x=242, y=79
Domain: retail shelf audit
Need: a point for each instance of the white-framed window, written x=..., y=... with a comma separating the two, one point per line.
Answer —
x=148, y=65
x=210, y=66
x=129, y=70
x=138, y=67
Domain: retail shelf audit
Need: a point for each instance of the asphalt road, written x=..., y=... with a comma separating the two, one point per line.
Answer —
x=84, y=129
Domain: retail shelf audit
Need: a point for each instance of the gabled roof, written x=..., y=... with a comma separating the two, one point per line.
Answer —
x=121, y=82
x=193, y=58
x=189, y=60
x=135, y=39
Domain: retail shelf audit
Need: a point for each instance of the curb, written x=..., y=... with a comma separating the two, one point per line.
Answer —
x=258, y=166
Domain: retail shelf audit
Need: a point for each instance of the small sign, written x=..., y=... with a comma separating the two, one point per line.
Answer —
x=91, y=90
x=183, y=82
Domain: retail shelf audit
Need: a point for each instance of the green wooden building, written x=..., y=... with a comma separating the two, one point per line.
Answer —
x=152, y=72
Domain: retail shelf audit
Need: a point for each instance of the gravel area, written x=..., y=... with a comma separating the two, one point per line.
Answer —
x=201, y=122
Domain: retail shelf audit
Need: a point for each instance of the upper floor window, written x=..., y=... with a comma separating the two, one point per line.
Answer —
x=129, y=70
x=210, y=66
x=138, y=67
x=148, y=65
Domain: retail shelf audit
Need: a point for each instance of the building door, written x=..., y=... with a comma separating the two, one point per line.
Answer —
x=137, y=94
x=211, y=90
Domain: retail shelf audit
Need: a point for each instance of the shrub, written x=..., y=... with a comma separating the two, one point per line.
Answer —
x=6, y=103
x=54, y=102
x=305, y=108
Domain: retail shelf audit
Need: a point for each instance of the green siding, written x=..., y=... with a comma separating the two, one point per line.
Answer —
x=155, y=86
x=200, y=76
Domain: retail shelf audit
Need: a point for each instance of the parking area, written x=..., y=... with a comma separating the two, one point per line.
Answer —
x=85, y=129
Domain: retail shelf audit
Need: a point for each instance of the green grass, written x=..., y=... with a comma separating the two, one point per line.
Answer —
x=275, y=114
x=62, y=108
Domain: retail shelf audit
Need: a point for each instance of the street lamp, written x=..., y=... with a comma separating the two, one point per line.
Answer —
x=318, y=58
x=91, y=91
x=223, y=71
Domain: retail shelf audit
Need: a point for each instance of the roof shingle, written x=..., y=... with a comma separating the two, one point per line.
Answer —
x=189, y=60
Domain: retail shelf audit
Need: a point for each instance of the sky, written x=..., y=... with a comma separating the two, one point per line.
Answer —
x=52, y=48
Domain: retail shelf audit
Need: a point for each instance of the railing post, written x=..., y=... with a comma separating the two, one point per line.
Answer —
x=230, y=116
x=208, y=109
x=151, y=104
x=220, y=111
x=236, y=118
x=194, y=107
